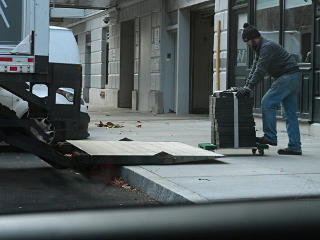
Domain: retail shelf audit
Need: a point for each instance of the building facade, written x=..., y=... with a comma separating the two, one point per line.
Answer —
x=160, y=55
x=151, y=55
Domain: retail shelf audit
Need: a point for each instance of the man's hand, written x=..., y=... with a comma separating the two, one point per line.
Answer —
x=243, y=92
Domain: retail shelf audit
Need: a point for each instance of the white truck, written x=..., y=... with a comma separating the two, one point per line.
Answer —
x=40, y=75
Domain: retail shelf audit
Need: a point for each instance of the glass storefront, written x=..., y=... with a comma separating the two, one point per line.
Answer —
x=294, y=24
x=290, y=23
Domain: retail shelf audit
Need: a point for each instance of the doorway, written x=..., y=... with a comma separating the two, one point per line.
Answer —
x=201, y=60
x=126, y=64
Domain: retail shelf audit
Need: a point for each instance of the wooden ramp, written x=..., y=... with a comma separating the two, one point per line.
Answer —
x=141, y=153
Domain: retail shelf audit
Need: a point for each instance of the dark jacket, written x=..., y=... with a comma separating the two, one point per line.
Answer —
x=273, y=59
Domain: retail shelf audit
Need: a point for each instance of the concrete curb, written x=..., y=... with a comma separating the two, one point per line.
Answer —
x=158, y=187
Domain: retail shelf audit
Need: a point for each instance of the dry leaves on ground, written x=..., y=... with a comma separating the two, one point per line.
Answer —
x=109, y=125
x=121, y=183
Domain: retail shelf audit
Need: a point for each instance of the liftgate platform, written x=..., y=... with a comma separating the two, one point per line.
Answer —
x=140, y=153
x=84, y=154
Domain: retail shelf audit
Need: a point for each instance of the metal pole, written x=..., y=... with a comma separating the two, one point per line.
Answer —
x=218, y=56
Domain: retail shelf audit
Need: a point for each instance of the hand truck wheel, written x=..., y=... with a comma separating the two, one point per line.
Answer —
x=254, y=151
x=261, y=152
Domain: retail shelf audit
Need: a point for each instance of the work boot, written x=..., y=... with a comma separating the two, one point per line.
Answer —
x=263, y=140
x=286, y=151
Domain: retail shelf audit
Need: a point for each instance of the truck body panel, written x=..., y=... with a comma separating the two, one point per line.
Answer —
x=62, y=41
x=24, y=64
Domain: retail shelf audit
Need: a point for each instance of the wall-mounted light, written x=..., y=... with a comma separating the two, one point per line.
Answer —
x=168, y=58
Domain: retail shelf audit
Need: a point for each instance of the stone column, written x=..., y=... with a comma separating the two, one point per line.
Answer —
x=114, y=66
x=85, y=78
x=155, y=95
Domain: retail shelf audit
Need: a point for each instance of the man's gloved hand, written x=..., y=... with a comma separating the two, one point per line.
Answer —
x=243, y=92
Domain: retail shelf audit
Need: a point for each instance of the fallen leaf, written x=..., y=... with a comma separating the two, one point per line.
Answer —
x=109, y=125
x=126, y=186
x=121, y=183
x=118, y=181
x=100, y=124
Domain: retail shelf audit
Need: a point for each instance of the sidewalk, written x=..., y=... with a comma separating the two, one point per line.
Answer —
x=239, y=175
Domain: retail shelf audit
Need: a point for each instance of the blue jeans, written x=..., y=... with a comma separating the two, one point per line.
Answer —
x=285, y=91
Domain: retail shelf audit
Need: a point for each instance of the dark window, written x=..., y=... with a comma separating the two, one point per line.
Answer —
x=106, y=37
x=11, y=22
x=107, y=64
x=268, y=18
x=298, y=29
x=242, y=49
x=87, y=70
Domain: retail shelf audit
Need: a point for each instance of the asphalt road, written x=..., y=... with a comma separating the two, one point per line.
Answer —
x=27, y=184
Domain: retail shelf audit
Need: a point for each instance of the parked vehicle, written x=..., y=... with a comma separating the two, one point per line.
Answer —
x=61, y=42
x=40, y=75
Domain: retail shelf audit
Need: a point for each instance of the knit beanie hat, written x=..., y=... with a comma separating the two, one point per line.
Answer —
x=249, y=32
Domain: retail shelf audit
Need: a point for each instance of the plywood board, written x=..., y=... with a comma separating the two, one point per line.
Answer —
x=136, y=148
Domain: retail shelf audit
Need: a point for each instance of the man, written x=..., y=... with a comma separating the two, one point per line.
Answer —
x=274, y=60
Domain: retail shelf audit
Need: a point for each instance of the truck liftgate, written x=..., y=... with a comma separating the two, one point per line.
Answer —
x=24, y=63
x=83, y=155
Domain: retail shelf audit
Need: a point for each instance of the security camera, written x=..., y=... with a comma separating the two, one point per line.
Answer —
x=112, y=16
x=106, y=20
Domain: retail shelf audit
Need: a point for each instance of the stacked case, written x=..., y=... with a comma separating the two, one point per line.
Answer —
x=232, y=120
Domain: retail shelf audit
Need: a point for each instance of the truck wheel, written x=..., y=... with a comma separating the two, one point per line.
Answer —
x=48, y=130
